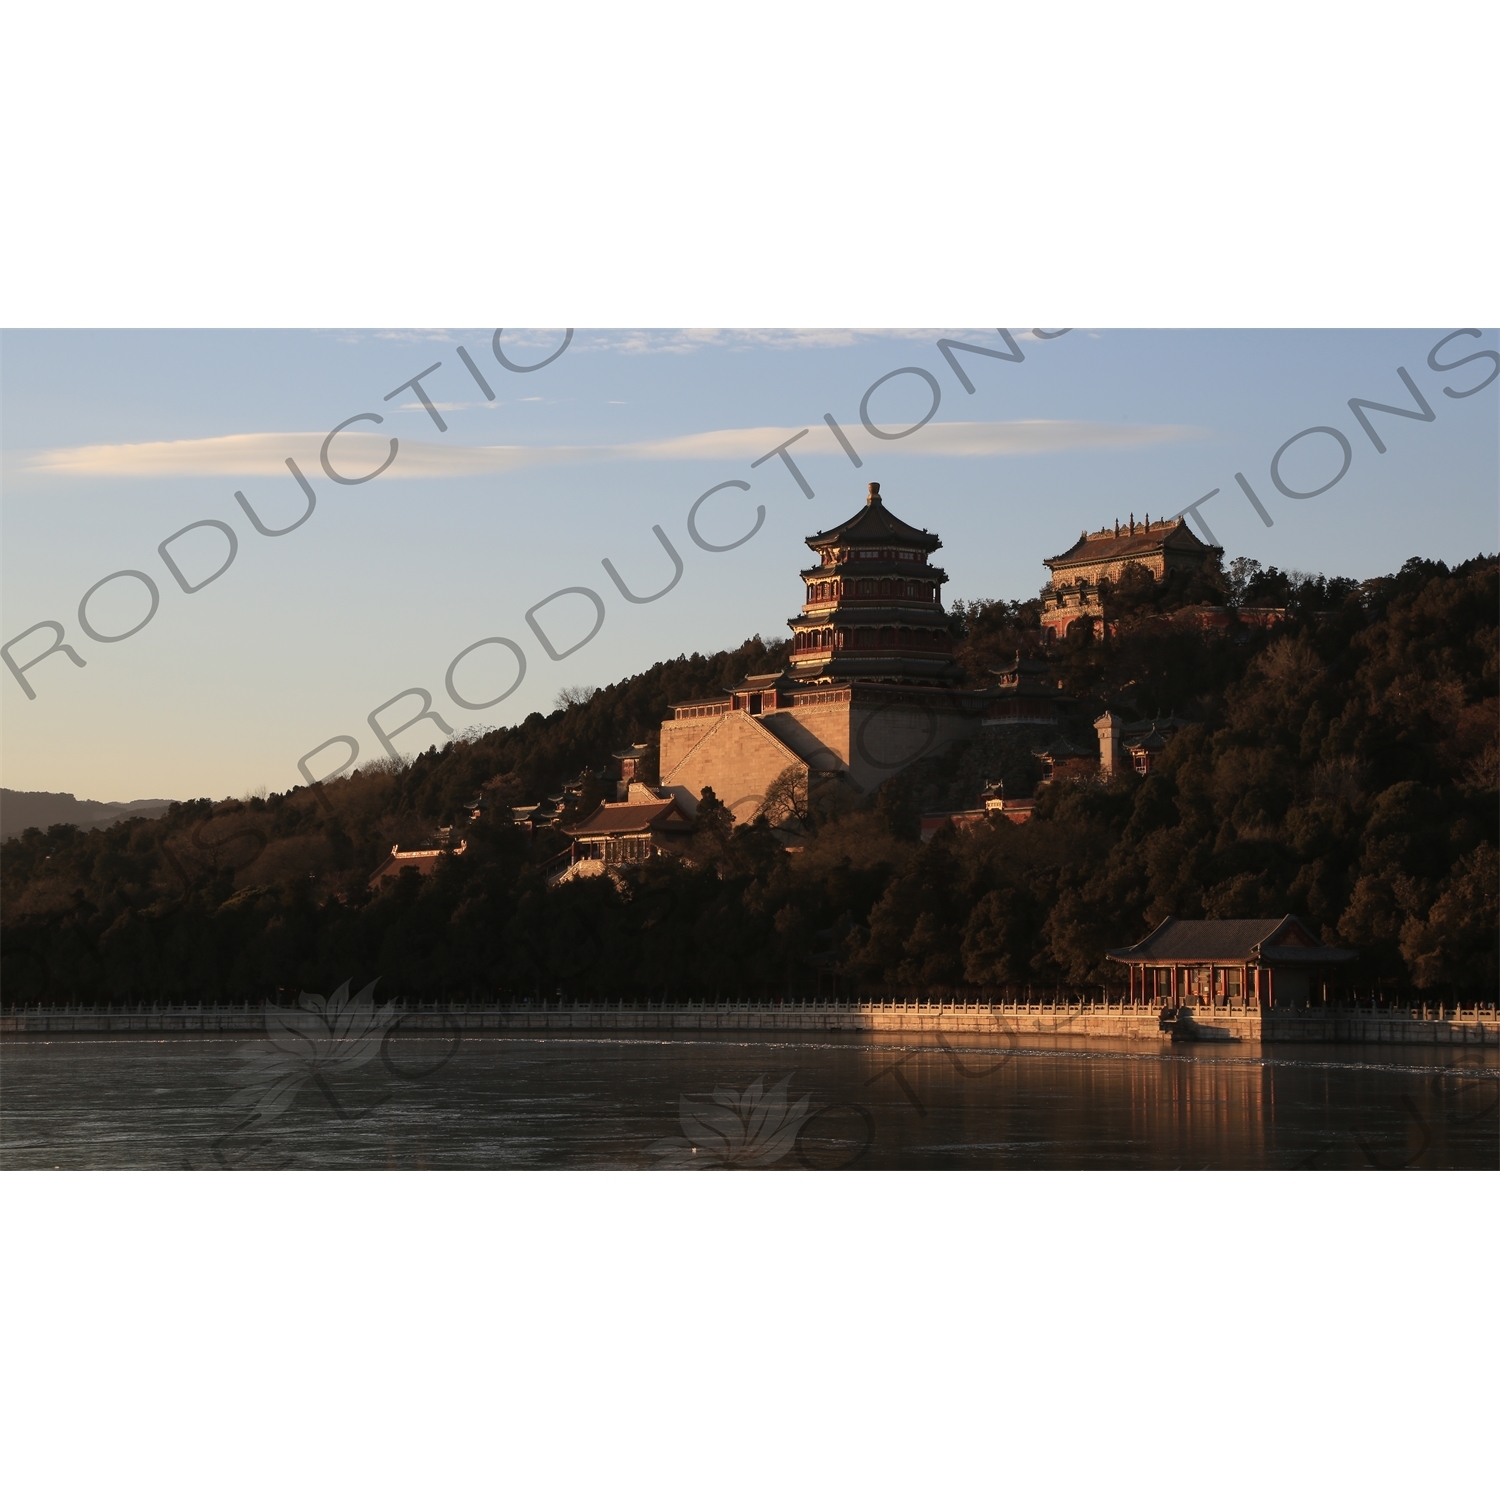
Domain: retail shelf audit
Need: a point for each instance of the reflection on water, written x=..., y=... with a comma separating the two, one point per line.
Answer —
x=614, y=1102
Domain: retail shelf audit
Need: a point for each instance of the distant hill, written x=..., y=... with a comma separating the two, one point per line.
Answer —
x=22, y=810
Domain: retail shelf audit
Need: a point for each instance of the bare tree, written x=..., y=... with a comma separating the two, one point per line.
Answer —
x=387, y=765
x=785, y=801
x=572, y=697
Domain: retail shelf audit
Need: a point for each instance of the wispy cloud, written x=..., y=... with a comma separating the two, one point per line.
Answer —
x=249, y=454
x=675, y=340
x=692, y=340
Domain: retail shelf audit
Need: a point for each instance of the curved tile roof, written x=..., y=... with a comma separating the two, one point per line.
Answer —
x=1105, y=546
x=876, y=524
x=632, y=817
x=1235, y=941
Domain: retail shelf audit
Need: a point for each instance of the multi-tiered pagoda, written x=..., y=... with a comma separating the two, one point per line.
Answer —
x=874, y=608
x=871, y=686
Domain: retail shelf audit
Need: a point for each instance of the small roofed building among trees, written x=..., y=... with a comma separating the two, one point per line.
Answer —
x=1272, y=962
x=628, y=833
x=1134, y=747
x=1081, y=577
x=421, y=861
x=1063, y=760
x=994, y=805
x=1026, y=693
x=633, y=760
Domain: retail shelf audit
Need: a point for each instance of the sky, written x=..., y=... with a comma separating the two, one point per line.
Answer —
x=112, y=442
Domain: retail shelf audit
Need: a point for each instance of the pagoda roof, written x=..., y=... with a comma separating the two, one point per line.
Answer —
x=887, y=611
x=875, y=566
x=1024, y=679
x=1277, y=940
x=874, y=523
x=1025, y=688
x=1115, y=545
x=848, y=666
x=1023, y=667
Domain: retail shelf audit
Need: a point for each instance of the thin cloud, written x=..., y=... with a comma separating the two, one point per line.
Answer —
x=265, y=453
x=678, y=340
x=693, y=340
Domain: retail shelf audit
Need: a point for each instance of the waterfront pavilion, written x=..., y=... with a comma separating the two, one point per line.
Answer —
x=1275, y=961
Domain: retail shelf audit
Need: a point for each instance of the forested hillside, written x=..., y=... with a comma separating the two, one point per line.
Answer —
x=1342, y=766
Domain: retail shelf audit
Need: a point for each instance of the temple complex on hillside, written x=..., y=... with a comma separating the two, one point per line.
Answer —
x=1098, y=558
x=872, y=684
x=870, y=688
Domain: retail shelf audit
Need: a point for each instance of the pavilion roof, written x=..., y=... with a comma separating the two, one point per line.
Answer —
x=874, y=523
x=633, y=817
x=1064, y=749
x=1279, y=940
x=758, y=682
x=1024, y=679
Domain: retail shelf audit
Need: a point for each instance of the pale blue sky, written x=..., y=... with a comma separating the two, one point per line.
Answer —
x=114, y=440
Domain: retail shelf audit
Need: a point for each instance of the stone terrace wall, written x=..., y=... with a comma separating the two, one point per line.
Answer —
x=973, y=1020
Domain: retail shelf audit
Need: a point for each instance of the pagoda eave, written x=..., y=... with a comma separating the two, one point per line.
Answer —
x=874, y=612
x=875, y=568
x=864, y=664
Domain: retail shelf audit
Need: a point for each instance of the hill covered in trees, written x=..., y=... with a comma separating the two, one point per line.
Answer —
x=1342, y=766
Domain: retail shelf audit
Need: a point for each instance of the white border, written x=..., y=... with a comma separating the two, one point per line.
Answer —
x=1310, y=164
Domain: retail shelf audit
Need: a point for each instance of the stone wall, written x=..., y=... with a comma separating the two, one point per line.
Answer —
x=737, y=756
x=990, y=1023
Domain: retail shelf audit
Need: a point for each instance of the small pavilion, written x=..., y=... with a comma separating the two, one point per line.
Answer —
x=630, y=832
x=1026, y=693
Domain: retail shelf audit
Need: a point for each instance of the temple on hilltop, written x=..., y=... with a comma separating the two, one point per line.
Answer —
x=1081, y=575
x=871, y=685
x=874, y=607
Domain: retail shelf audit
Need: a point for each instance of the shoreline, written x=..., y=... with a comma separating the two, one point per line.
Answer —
x=1222, y=1026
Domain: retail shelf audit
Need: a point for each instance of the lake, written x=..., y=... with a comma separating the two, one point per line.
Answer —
x=521, y=1102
